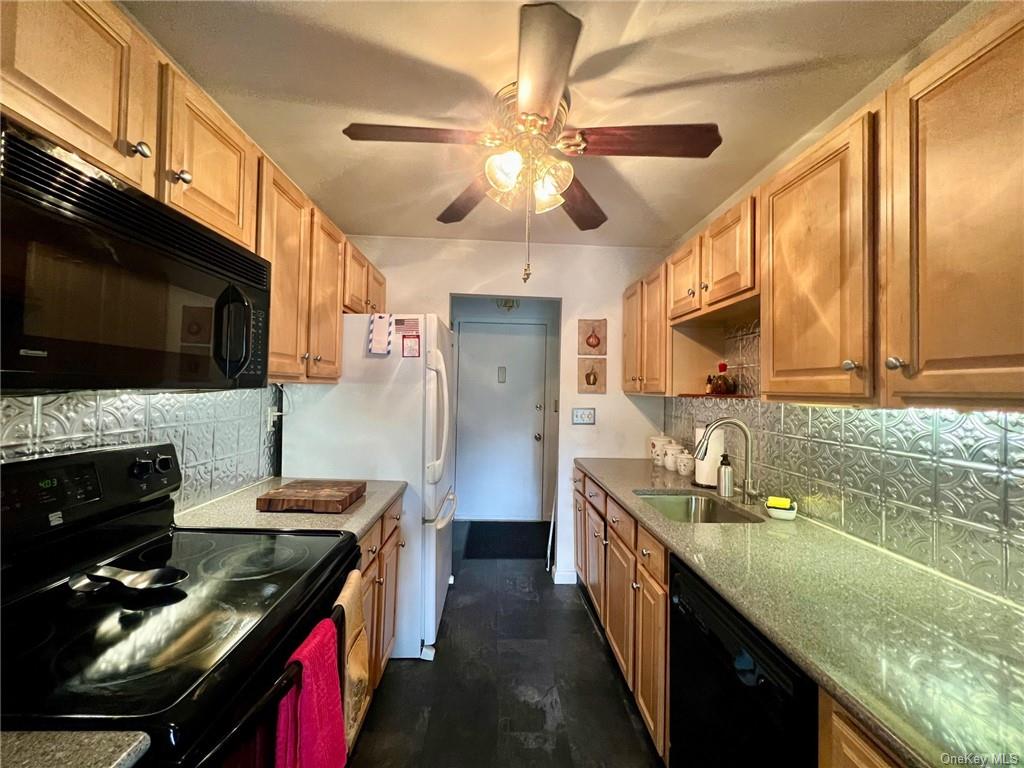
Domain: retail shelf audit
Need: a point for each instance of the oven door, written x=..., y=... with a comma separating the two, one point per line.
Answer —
x=85, y=307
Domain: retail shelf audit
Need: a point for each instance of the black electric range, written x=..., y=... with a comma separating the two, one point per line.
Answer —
x=183, y=663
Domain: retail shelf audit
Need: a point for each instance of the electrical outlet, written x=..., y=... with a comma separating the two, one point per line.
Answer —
x=586, y=416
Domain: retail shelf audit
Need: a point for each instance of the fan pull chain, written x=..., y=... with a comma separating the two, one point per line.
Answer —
x=529, y=209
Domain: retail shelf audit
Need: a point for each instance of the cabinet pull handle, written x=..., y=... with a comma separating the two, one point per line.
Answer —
x=634, y=585
x=850, y=365
x=318, y=358
x=597, y=535
x=184, y=176
x=142, y=149
x=379, y=580
x=690, y=292
x=895, y=363
x=645, y=552
x=305, y=356
x=704, y=286
x=615, y=520
x=591, y=494
x=604, y=542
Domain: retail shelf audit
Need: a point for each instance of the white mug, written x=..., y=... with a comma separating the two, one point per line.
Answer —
x=684, y=464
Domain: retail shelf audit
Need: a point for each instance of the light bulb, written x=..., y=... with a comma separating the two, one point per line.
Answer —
x=542, y=203
x=503, y=168
x=554, y=175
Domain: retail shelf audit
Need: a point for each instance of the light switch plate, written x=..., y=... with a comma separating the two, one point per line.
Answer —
x=584, y=416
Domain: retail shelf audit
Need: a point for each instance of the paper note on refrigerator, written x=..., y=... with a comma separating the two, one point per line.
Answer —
x=379, y=342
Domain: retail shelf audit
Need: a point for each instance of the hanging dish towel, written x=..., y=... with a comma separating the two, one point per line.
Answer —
x=310, y=721
x=379, y=341
x=357, y=657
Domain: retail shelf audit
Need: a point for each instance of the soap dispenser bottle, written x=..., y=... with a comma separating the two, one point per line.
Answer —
x=725, y=479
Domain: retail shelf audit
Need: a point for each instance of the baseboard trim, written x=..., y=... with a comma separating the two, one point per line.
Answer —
x=565, y=577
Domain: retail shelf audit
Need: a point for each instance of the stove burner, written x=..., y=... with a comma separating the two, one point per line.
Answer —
x=247, y=562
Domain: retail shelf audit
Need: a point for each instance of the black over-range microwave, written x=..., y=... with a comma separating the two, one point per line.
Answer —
x=104, y=287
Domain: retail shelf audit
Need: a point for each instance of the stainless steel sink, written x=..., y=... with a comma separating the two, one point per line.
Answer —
x=695, y=508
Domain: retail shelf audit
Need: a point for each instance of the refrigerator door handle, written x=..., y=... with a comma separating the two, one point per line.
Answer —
x=443, y=523
x=436, y=468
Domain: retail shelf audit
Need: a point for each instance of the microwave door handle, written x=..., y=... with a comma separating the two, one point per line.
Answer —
x=225, y=332
x=246, y=333
x=221, y=335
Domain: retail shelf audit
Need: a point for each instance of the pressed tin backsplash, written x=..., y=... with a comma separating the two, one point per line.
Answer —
x=220, y=437
x=943, y=488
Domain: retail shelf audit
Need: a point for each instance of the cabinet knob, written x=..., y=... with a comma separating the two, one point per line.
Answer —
x=366, y=302
x=690, y=292
x=632, y=378
x=645, y=552
x=704, y=286
x=591, y=494
x=604, y=542
x=401, y=544
x=140, y=148
x=305, y=356
x=318, y=358
x=634, y=585
x=379, y=580
x=615, y=521
x=850, y=365
x=895, y=363
x=184, y=176
x=597, y=535
x=372, y=550
x=396, y=516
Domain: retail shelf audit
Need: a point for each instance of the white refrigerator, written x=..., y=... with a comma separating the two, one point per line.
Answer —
x=390, y=417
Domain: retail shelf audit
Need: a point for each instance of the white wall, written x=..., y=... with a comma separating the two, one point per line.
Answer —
x=423, y=273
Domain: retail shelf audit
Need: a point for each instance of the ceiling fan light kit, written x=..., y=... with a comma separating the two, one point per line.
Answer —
x=529, y=125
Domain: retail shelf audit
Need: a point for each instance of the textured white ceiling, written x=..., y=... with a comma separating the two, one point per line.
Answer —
x=294, y=74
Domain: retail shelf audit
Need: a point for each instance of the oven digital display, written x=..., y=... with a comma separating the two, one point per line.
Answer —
x=42, y=493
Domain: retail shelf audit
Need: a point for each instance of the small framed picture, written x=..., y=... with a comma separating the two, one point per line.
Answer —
x=593, y=337
x=592, y=375
x=411, y=346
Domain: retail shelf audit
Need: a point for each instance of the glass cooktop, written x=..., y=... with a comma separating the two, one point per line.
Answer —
x=116, y=651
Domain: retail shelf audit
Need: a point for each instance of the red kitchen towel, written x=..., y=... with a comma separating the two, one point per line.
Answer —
x=310, y=721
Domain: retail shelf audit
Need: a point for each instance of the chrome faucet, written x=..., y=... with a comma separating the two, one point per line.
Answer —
x=700, y=451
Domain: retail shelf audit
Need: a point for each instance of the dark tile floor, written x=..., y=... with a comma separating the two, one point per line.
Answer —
x=522, y=677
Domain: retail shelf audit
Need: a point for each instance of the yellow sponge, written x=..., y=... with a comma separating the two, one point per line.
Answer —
x=778, y=502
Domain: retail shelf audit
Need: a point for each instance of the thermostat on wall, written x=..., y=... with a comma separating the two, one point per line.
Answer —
x=584, y=415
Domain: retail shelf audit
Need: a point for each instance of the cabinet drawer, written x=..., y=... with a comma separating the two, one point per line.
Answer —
x=595, y=495
x=620, y=521
x=369, y=546
x=651, y=555
x=391, y=519
x=577, y=480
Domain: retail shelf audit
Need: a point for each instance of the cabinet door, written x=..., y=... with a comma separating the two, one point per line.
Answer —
x=371, y=615
x=595, y=560
x=357, y=274
x=816, y=299
x=376, y=290
x=651, y=647
x=388, y=599
x=620, y=603
x=955, y=277
x=727, y=256
x=580, y=521
x=284, y=242
x=325, y=285
x=653, y=366
x=632, y=320
x=211, y=165
x=684, y=294
x=82, y=73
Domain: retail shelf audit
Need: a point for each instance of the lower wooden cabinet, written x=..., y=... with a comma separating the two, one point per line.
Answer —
x=595, y=560
x=620, y=602
x=842, y=744
x=651, y=679
x=379, y=566
x=580, y=521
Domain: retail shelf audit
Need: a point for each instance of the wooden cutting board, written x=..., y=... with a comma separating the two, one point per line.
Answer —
x=320, y=496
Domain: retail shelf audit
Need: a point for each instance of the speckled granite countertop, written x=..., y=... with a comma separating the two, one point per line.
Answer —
x=238, y=510
x=80, y=749
x=928, y=666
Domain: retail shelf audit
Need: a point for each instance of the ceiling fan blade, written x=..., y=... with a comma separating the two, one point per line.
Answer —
x=547, y=42
x=581, y=207
x=372, y=132
x=686, y=140
x=465, y=202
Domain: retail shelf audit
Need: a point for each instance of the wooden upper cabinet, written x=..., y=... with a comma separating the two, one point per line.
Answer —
x=620, y=603
x=82, y=73
x=650, y=679
x=211, y=166
x=284, y=242
x=654, y=358
x=817, y=252
x=327, y=269
x=357, y=272
x=727, y=254
x=632, y=319
x=684, y=293
x=376, y=290
x=955, y=273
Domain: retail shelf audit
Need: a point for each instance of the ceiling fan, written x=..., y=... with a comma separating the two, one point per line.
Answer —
x=530, y=125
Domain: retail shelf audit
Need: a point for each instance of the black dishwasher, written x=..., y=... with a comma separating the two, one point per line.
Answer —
x=734, y=696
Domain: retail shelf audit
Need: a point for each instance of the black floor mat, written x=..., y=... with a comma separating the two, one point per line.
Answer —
x=511, y=541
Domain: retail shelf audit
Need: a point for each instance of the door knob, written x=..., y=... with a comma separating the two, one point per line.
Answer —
x=895, y=363
x=537, y=436
x=539, y=407
x=140, y=148
x=185, y=177
x=849, y=365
